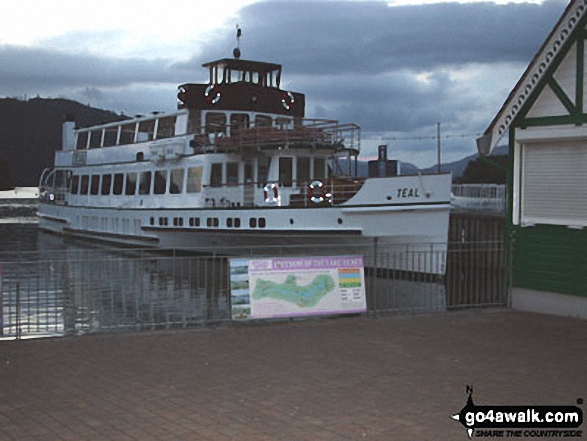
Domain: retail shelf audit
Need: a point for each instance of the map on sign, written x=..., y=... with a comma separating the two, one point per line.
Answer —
x=296, y=286
x=290, y=291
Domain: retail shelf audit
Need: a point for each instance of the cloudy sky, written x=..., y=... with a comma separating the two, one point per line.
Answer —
x=395, y=67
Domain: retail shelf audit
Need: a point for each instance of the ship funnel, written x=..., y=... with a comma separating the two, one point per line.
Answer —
x=68, y=134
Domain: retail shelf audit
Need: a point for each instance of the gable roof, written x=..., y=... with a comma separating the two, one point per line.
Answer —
x=536, y=70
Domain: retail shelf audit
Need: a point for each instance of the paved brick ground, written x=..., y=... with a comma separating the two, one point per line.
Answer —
x=388, y=378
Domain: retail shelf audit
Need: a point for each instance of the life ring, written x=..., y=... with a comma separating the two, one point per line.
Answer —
x=287, y=100
x=317, y=192
x=271, y=193
x=212, y=94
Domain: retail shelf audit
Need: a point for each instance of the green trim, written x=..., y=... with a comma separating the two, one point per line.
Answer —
x=580, y=73
x=562, y=96
x=551, y=121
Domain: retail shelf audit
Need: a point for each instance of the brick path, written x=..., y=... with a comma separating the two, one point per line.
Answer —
x=388, y=378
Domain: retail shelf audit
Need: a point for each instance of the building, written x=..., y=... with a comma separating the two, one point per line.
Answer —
x=545, y=122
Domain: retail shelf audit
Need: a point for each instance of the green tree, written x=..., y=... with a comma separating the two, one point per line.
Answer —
x=485, y=171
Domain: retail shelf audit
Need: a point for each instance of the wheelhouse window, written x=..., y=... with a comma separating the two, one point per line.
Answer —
x=106, y=184
x=127, y=133
x=232, y=173
x=95, y=184
x=176, y=181
x=285, y=171
x=145, y=183
x=166, y=127
x=160, y=182
x=194, y=122
x=110, y=136
x=74, y=184
x=194, y=182
x=118, y=184
x=216, y=175
x=238, y=122
x=146, y=130
x=85, y=184
x=263, y=121
x=319, y=166
x=215, y=123
x=131, y=184
x=82, y=140
x=95, y=139
x=302, y=168
x=284, y=123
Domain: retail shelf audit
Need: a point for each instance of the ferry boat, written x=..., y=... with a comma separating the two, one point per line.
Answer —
x=236, y=165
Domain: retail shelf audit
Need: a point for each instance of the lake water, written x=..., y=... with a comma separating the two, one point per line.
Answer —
x=53, y=286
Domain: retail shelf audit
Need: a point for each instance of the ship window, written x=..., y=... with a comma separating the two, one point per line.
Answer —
x=118, y=182
x=85, y=184
x=194, y=124
x=303, y=169
x=110, y=135
x=216, y=175
x=237, y=222
x=255, y=78
x=82, y=140
x=127, y=133
x=215, y=122
x=209, y=222
x=145, y=183
x=131, y=184
x=284, y=123
x=75, y=184
x=176, y=181
x=106, y=183
x=262, y=222
x=95, y=138
x=263, y=121
x=229, y=222
x=238, y=121
x=253, y=222
x=285, y=171
x=160, y=182
x=95, y=184
x=232, y=173
x=166, y=127
x=194, y=183
x=319, y=168
x=146, y=130
x=263, y=171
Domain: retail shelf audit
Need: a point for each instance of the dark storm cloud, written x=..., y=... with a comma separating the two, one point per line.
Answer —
x=345, y=37
x=46, y=69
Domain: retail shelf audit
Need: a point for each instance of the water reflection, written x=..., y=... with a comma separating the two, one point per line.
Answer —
x=66, y=287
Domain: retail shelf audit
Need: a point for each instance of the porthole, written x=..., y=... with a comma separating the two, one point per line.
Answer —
x=253, y=222
x=229, y=222
x=262, y=222
x=237, y=222
x=339, y=221
x=291, y=221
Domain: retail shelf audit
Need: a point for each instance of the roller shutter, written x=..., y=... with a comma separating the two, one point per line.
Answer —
x=554, y=183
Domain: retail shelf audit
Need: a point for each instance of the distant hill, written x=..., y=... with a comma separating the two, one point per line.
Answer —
x=30, y=132
x=456, y=167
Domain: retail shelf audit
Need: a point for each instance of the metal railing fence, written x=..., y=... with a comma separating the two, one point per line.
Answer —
x=77, y=291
